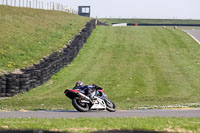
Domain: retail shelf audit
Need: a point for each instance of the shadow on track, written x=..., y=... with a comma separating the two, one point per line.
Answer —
x=72, y=111
x=58, y=110
x=29, y=131
x=127, y=131
x=110, y=131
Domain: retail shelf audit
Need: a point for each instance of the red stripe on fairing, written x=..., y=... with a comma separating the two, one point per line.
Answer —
x=67, y=90
x=101, y=90
x=74, y=90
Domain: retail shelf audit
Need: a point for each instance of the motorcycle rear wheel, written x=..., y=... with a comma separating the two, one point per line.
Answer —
x=82, y=107
x=110, y=106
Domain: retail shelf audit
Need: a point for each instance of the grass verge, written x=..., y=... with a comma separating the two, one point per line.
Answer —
x=86, y=125
x=27, y=35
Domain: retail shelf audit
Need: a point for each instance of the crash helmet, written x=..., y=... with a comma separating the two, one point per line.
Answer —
x=79, y=83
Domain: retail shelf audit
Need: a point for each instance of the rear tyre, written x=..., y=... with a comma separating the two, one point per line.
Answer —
x=82, y=107
x=110, y=106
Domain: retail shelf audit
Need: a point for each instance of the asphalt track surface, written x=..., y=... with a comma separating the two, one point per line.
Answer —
x=195, y=34
x=102, y=114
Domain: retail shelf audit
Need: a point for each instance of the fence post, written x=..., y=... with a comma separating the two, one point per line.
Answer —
x=19, y=3
x=33, y=3
x=65, y=8
x=30, y=4
x=26, y=3
x=36, y=3
x=6, y=2
x=58, y=6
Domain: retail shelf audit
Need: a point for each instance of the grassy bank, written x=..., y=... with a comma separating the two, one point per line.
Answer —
x=137, y=66
x=86, y=125
x=27, y=35
x=151, y=21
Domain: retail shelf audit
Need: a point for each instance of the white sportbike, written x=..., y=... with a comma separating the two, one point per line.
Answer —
x=83, y=103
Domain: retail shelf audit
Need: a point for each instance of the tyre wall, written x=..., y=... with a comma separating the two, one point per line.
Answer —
x=36, y=75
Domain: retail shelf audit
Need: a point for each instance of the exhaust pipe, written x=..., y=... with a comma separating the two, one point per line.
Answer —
x=82, y=95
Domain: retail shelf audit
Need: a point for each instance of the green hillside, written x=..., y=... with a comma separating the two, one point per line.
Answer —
x=137, y=66
x=27, y=35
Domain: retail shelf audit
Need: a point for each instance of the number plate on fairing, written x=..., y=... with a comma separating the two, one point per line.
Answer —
x=99, y=104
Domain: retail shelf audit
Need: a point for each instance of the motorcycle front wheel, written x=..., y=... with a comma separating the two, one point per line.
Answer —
x=82, y=107
x=110, y=106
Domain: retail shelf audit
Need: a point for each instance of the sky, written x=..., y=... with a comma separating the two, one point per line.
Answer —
x=162, y=9
x=172, y=9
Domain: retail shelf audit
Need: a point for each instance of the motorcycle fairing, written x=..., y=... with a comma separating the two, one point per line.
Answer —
x=98, y=104
x=71, y=93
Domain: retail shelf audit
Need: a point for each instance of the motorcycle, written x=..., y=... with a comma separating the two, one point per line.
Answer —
x=83, y=103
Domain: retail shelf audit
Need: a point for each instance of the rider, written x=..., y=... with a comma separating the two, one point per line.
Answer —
x=89, y=90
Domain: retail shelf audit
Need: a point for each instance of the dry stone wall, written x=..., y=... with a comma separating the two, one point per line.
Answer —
x=36, y=75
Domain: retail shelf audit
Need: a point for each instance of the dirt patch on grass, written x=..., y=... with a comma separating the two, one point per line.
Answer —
x=81, y=129
x=177, y=130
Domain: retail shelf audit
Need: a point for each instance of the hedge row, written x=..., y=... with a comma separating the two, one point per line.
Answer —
x=31, y=77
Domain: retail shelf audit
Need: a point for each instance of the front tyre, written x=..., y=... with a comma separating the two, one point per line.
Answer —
x=110, y=106
x=82, y=107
